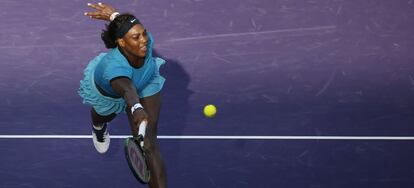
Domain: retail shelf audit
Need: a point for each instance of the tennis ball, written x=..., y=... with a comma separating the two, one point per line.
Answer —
x=210, y=110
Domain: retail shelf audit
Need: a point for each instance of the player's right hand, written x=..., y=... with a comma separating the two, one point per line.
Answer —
x=139, y=116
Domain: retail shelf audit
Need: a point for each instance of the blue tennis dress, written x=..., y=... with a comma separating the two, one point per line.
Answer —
x=107, y=66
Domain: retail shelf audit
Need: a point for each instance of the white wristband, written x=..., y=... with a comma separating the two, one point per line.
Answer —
x=113, y=16
x=136, y=107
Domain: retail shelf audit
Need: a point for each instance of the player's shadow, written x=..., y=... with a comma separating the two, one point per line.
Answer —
x=175, y=108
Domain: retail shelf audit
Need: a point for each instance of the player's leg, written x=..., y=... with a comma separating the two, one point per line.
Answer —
x=98, y=120
x=152, y=106
x=100, y=134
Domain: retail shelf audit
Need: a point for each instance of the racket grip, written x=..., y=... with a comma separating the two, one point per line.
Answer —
x=141, y=131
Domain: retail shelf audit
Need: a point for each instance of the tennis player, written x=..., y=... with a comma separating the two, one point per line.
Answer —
x=125, y=79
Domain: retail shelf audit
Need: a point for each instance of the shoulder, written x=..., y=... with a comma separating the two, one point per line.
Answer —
x=115, y=59
x=114, y=54
x=159, y=61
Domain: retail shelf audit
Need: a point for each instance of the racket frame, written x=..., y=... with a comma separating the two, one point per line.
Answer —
x=139, y=143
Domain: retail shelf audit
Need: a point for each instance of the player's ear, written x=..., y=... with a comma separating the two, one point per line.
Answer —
x=121, y=42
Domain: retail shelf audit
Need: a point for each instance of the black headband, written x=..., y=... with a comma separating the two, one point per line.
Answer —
x=126, y=26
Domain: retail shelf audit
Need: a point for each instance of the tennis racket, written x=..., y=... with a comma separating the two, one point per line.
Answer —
x=135, y=155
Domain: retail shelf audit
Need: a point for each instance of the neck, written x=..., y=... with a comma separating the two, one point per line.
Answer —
x=133, y=60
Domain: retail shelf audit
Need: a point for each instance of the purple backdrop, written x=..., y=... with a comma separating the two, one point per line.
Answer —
x=272, y=67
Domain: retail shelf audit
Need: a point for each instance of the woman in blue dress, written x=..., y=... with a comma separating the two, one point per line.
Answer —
x=125, y=79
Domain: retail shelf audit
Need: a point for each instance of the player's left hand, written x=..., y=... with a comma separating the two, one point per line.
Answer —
x=102, y=11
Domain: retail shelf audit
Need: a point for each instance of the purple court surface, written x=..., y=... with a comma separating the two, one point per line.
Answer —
x=310, y=94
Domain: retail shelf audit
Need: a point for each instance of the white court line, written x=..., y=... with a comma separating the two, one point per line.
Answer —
x=195, y=137
x=328, y=27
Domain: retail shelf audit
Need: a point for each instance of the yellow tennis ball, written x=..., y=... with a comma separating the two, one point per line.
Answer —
x=210, y=110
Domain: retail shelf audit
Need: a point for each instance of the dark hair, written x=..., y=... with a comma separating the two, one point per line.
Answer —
x=109, y=35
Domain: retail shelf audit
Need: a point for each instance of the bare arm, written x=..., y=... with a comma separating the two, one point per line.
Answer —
x=124, y=87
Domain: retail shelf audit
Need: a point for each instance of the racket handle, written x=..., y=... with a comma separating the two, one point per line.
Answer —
x=141, y=131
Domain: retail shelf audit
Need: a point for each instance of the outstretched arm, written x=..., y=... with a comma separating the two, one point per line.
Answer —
x=123, y=86
x=102, y=11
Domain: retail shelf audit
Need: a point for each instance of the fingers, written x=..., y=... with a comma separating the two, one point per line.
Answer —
x=140, y=116
x=93, y=14
x=95, y=6
x=102, y=11
x=102, y=5
x=96, y=15
x=106, y=7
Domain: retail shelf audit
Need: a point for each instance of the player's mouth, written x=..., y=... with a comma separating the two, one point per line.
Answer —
x=143, y=49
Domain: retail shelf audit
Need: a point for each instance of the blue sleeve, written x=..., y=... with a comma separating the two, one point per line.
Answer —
x=115, y=70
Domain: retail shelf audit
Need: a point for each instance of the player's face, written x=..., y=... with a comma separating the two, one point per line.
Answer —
x=136, y=41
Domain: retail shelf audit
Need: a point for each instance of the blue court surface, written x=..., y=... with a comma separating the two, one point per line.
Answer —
x=315, y=94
